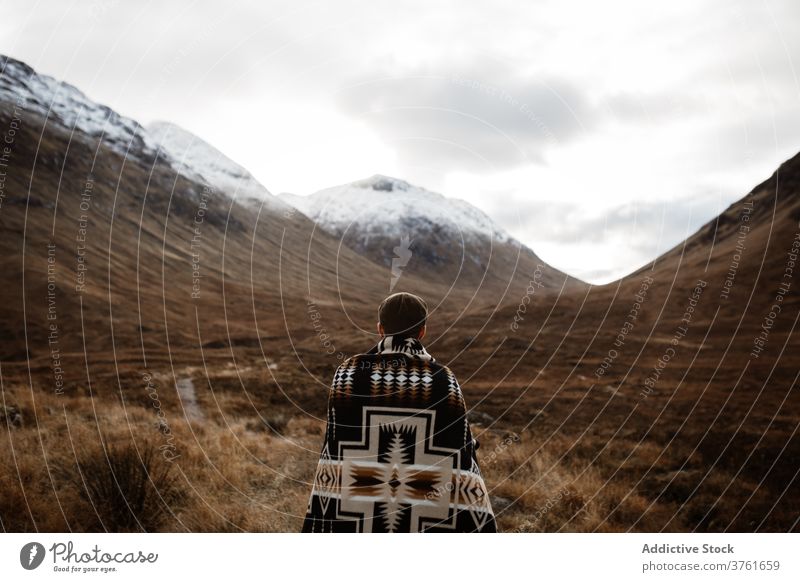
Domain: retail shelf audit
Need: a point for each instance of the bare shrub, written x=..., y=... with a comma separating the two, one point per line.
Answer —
x=128, y=488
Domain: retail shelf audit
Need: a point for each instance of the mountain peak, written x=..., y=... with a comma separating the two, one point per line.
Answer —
x=15, y=66
x=382, y=183
x=65, y=105
x=371, y=206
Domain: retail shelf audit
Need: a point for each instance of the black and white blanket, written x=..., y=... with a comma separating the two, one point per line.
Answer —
x=398, y=454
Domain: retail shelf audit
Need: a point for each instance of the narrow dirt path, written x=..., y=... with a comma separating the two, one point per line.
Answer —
x=188, y=396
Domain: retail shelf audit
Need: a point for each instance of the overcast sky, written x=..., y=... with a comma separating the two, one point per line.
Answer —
x=598, y=133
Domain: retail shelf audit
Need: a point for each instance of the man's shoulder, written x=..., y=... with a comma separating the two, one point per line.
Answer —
x=395, y=362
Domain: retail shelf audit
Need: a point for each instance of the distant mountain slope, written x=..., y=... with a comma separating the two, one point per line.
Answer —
x=402, y=226
x=744, y=250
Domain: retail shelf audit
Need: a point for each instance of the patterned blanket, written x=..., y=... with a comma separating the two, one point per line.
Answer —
x=398, y=454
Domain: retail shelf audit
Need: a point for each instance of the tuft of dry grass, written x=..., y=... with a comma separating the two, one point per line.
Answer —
x=127, y=488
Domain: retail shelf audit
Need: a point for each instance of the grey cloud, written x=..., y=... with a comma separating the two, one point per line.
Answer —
x=138, y=58
x=770, y=136
x=650, y=228
x=653, y=107
x=482, y=116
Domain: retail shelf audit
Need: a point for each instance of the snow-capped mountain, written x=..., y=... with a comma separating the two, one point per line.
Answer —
x=198, y=159
x=65, y=105
x=381, y=206
x=409, y=229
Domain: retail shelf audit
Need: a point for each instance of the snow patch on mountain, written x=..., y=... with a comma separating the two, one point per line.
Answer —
x=67, y=106
x=385, y=206
x=61, y=103
x=198, y=159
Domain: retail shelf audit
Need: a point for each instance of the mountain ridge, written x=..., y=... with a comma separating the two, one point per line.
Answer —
x=201, y=160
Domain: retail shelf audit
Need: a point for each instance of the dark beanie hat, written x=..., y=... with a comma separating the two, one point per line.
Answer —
x=403, y=314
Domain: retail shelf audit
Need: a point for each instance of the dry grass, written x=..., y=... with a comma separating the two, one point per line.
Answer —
x=128, y=489
x=547, y=484
x=536, y=490
x=217, y=476
x=77, y=463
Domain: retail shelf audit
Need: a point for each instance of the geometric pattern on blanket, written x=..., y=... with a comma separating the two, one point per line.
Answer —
x=394, y=474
